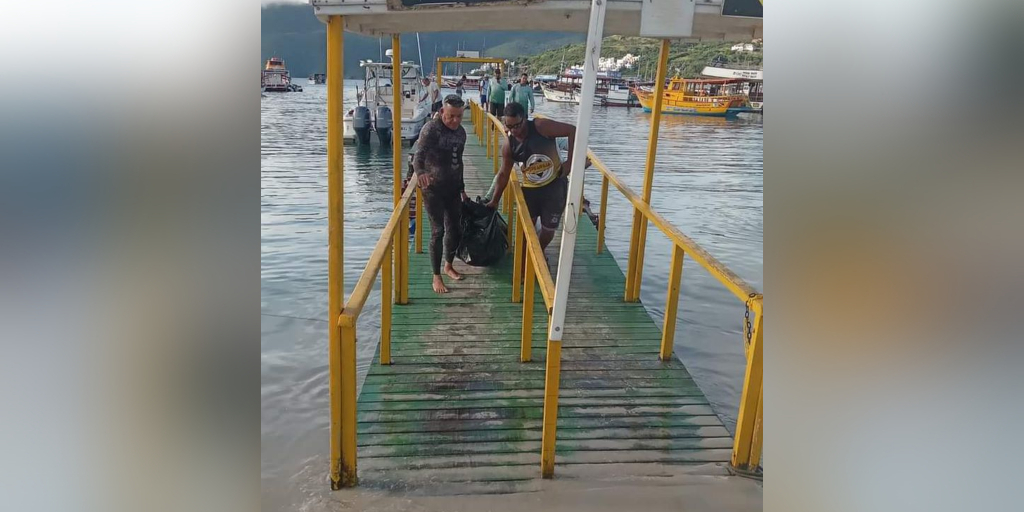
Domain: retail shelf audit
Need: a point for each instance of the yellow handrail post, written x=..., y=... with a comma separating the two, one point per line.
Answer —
x=635, y=268
x=528, y=292
x=487, y=135
x=339, y=475
x=511, y=220
x=602, y=218
x=396, y=117
x=385, y=307
x=419, y=221
x=349, y=476
x=746, y=420
x=496, y=151
x=517, y=260
x=552, y=371
x=403, y=235
x=755, y=445
x=668, y=330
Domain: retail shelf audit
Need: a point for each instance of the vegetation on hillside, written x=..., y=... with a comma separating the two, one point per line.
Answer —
x=685, y=59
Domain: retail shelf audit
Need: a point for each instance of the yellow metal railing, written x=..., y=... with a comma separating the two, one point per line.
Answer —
x=747, y=441
x=343, y=366
x=529, y=269
x=748, y=436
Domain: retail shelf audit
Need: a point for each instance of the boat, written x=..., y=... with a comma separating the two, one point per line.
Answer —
x=317, y=79
x=753, y=89
x=375, y=101
x=611, y=89
x=472, y=82
x=275, y=77
x=700, y=97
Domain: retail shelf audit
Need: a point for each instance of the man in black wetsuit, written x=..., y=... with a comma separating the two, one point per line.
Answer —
x=438, y=167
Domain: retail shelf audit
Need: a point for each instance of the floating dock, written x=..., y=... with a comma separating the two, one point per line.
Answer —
x=458, y=413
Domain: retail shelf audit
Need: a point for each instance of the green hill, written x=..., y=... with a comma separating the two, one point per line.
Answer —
x=685, y=59
x=293, y=33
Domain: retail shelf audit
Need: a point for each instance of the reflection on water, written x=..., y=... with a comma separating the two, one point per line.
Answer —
x=708, y=182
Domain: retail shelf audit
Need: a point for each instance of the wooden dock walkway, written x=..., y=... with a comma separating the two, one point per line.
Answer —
x=458, y=413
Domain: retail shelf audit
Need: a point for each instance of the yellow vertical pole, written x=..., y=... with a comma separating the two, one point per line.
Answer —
x=385, y=306
x=747, y=418
x=396, y=116
x=528, y=291
x=335, y=242
x=511, y=217
x=668, y=330
x=419, y=220
x=396, y=99
x=403, y=237
x=603, y=217
x=552, y=371
x=349, y=476
x=755, y=445
x=517, y=261
x=635, y=267
x=487, y=134
x=496, y=152
x=438, y=76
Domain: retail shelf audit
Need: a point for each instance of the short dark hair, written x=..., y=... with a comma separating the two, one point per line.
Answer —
x=515, y=109
x=454, y=100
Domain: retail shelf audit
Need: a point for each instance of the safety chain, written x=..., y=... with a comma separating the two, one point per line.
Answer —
x=746, y=316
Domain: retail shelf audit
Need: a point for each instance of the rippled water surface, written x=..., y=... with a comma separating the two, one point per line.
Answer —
x=708, y=182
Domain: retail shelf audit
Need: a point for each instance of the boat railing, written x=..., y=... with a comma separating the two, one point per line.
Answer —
x=748, y=434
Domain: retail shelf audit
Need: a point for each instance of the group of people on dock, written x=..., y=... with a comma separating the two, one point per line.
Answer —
x=493, y=95
x=532, y=147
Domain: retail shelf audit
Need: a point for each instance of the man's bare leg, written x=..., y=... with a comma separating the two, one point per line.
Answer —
x=452, y=273
x=439, y=286
x=546, y=236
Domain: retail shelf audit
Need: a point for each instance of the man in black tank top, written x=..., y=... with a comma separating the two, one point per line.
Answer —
x=532, y=146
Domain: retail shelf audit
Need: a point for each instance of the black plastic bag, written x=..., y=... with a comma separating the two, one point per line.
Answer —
x=484, y=235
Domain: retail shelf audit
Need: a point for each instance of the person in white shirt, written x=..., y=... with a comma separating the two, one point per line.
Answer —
x=433, y=94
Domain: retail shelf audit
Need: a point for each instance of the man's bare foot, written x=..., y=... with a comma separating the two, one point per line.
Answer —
x=452, y=273
x=439, y=286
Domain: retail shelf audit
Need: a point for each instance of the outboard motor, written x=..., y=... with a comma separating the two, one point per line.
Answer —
x=361, y=124
x=384, y=126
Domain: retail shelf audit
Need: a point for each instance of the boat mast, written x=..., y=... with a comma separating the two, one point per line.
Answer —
x=420, y=50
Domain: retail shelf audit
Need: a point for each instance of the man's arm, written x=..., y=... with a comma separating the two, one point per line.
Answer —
x=554, y=129
x=427, y=140
x=503, y=175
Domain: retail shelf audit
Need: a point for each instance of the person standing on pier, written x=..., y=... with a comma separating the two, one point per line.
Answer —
x=460, y=86
x=438, y=167
x=496, y=94
x=531, y=145
x=431, y=94
x=522, y=93
x=484, y=84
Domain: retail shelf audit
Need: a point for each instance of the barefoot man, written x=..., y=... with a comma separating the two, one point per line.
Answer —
x=438, y=167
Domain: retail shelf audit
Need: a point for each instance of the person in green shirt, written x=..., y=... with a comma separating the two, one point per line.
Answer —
x=522, y=93
x=496, y=94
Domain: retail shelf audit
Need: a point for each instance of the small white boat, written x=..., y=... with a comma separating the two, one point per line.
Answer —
x=559, y=95
x=373, y=112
